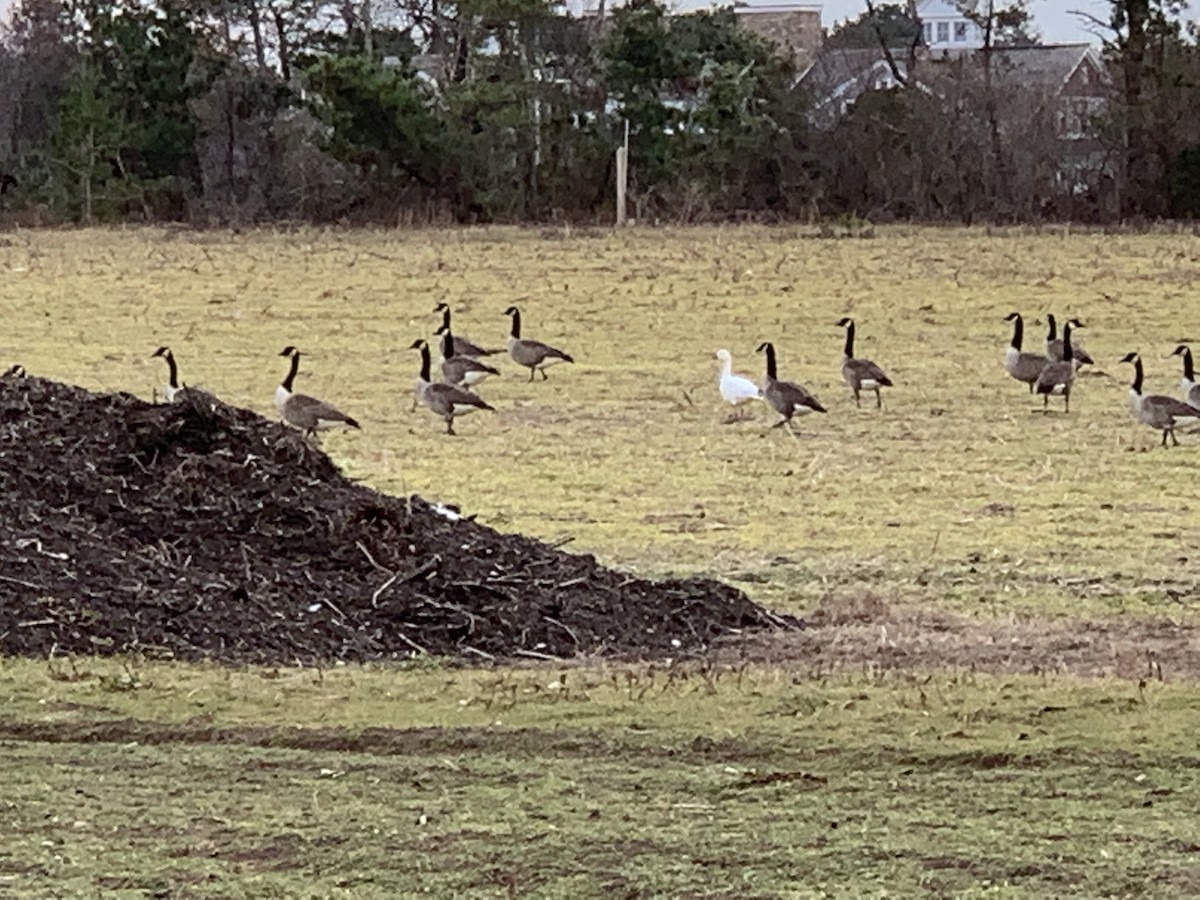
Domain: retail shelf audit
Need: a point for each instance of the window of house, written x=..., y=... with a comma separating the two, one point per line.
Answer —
x=927, y=32
x=943, y=32
x=960, y=31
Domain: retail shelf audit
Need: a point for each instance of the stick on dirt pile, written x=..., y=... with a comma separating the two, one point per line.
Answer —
x=197, y=530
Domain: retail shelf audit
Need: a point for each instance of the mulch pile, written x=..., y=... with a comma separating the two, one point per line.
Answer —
x=196, y=530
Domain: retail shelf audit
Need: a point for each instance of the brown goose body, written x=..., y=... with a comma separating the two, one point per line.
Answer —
x=1025, y=367
x=462, y=346
x=1191, y=390
x=464, y=370
x=786, y=397
x=1058, y=377
x=1054, y=345
x=861, y=374
x=1157, y=411
x=446, y=400
x=308, y=414
x=534, y=355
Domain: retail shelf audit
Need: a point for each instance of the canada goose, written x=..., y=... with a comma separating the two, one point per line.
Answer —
x=1191, y=390
x=447, y=400
x=861, y=374
x=1156, y=410
x=461, y=369
x=1054, y=346
x=534, y=355
x=788, y=399
x=735, y=389
x=302, y=411
x=462, y=346
x=17, y=371
x=1058, y=377
x=1024, y=367
x=173, y=388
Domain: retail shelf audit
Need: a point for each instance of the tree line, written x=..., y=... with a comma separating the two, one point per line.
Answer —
x=509, y=110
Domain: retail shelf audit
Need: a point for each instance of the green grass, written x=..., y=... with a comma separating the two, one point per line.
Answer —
x=144, y=778
x=196, y=781
x=956, y=495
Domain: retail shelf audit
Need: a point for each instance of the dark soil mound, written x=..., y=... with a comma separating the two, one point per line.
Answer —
x=202, y=531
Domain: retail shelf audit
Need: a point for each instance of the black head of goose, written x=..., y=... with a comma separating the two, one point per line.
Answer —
x=534, y=355
x=1191, y=390
x=446, y=400
x=1025, y=367
x=301, y=411
x=462, y=346
x=1157, y=411
x=17, y=371
x=786, y=398
x=1058, y=377
x=458, y=369
x=861, y=374
x=1054, y=345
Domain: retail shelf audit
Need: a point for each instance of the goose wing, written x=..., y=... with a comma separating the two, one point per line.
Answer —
x=1054, y=375
x=446, y=398
x=315, y=413
x=457, y=368
x=867, y=370
x=1054, y=351
x=465, y=347
x=1168, y=410
x=737, y=388
x=1026, y=366
x=529, y=352
x=787, y=397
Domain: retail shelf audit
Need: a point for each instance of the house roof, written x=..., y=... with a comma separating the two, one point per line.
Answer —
x=1047, y=66
x=843, y=75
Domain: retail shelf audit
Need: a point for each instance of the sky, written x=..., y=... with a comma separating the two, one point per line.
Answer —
x=1053, y=17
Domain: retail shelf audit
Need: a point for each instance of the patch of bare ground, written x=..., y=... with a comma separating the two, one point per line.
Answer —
x=866, y=631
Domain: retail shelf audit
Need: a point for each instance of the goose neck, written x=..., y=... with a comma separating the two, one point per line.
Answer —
x=516, y=324
x=1018, y=333
x=848, y=350
x=1136, y=387
x=1068, y=353
x=770, y=362
x=447, y=344
x=292, y=370
x=425, y=363
x=1053, y=326
x=172, y=371
x=1189, y=372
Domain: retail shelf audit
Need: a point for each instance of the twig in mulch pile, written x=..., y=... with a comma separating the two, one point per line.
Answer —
x=197, y=530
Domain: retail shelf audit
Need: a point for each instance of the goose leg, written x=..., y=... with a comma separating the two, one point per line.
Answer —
x=532, y=370
x=1174, y=440
x=1045, y=404
x=1067, y=400
x=545, y=377
x=857, y=400
x=878, y=399
x=449, y=424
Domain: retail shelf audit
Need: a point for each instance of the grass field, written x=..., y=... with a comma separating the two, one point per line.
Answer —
x=956, y=501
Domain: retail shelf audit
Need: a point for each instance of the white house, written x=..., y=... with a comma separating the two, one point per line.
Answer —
x=947, y=28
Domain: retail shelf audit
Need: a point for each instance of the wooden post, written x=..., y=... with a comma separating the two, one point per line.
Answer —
x=622, y=176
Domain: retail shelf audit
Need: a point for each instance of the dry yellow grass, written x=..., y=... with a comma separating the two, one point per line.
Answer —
x=956, y=494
